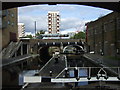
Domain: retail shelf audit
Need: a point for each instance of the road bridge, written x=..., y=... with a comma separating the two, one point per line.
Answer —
x=52, y=42
x=115, y=6
x=41, y=44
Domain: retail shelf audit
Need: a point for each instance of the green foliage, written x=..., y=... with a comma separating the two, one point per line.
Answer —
x=29, y=36
x=80, y=35
x=40, y=32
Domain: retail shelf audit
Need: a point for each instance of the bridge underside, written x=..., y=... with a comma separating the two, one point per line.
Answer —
x=115, y=6
x=42, y=44
x=44, y=54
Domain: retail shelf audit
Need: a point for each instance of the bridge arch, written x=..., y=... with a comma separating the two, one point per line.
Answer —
x=43, y=48
x=75, y=49
x=115, y=6
x=45, y=52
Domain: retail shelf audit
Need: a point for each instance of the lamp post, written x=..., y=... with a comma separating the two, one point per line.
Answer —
x=35, y=28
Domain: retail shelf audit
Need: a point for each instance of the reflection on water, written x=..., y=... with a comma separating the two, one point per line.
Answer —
x=82, y=73
x=26, y=73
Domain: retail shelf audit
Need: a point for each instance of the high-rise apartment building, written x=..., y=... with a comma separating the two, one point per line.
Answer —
x=21, y=29
x=9, y=27
x=53, y=22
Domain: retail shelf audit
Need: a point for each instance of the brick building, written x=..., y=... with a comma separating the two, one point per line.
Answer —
x=103, y=35
x=9, y=28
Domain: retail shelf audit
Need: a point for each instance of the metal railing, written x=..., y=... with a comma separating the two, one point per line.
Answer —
x=99, y=77
x=17, y=46
x=6, y=50
x=46, y=64
x=11, y=49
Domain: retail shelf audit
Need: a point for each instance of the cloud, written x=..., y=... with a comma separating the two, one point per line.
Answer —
x=65, y=23
x=41, y=22
x=45, y=7
x=73, y=17
x=39, y=13
x=76, y=23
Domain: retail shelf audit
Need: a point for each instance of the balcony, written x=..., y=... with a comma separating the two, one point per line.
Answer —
x=58, y=28
x=49, y=29
x=49, y=23
x=58, y=15
x=49, y=15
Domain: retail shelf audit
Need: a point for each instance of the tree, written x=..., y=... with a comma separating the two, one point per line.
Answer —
x=29, y=36
x=80, y=35
x=40, y=32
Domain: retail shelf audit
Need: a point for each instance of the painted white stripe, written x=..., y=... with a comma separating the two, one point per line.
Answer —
x=37, y=79
x=25, y=85
x=60, y=80
x=68, y=43
x=53, y=43
x=32, y=79
x=64, y=80
x=75, y=42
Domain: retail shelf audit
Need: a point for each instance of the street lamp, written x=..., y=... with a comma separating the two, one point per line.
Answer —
x=35, y=28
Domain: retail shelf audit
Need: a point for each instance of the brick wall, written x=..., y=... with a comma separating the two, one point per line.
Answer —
x=103, y=34
x=9, y=25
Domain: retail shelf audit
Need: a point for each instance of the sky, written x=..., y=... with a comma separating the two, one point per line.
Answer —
x=72, y=17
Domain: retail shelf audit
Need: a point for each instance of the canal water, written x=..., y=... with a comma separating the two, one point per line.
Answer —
x=26, y=73
x=82, y=73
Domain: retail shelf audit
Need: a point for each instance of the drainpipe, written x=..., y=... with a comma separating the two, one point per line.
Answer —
x=94, y=39
x=116, y=38
x=102, y=53
x=27, y=48
x=21, y=49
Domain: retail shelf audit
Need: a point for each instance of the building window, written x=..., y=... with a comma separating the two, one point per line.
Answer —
x=12, y=15
x=8, y=22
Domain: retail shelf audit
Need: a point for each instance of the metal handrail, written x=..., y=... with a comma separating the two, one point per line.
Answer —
x=7, y=50
x=45, y=65
x=18, y=44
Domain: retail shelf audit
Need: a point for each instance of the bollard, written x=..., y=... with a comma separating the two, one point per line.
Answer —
x=50, y=72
